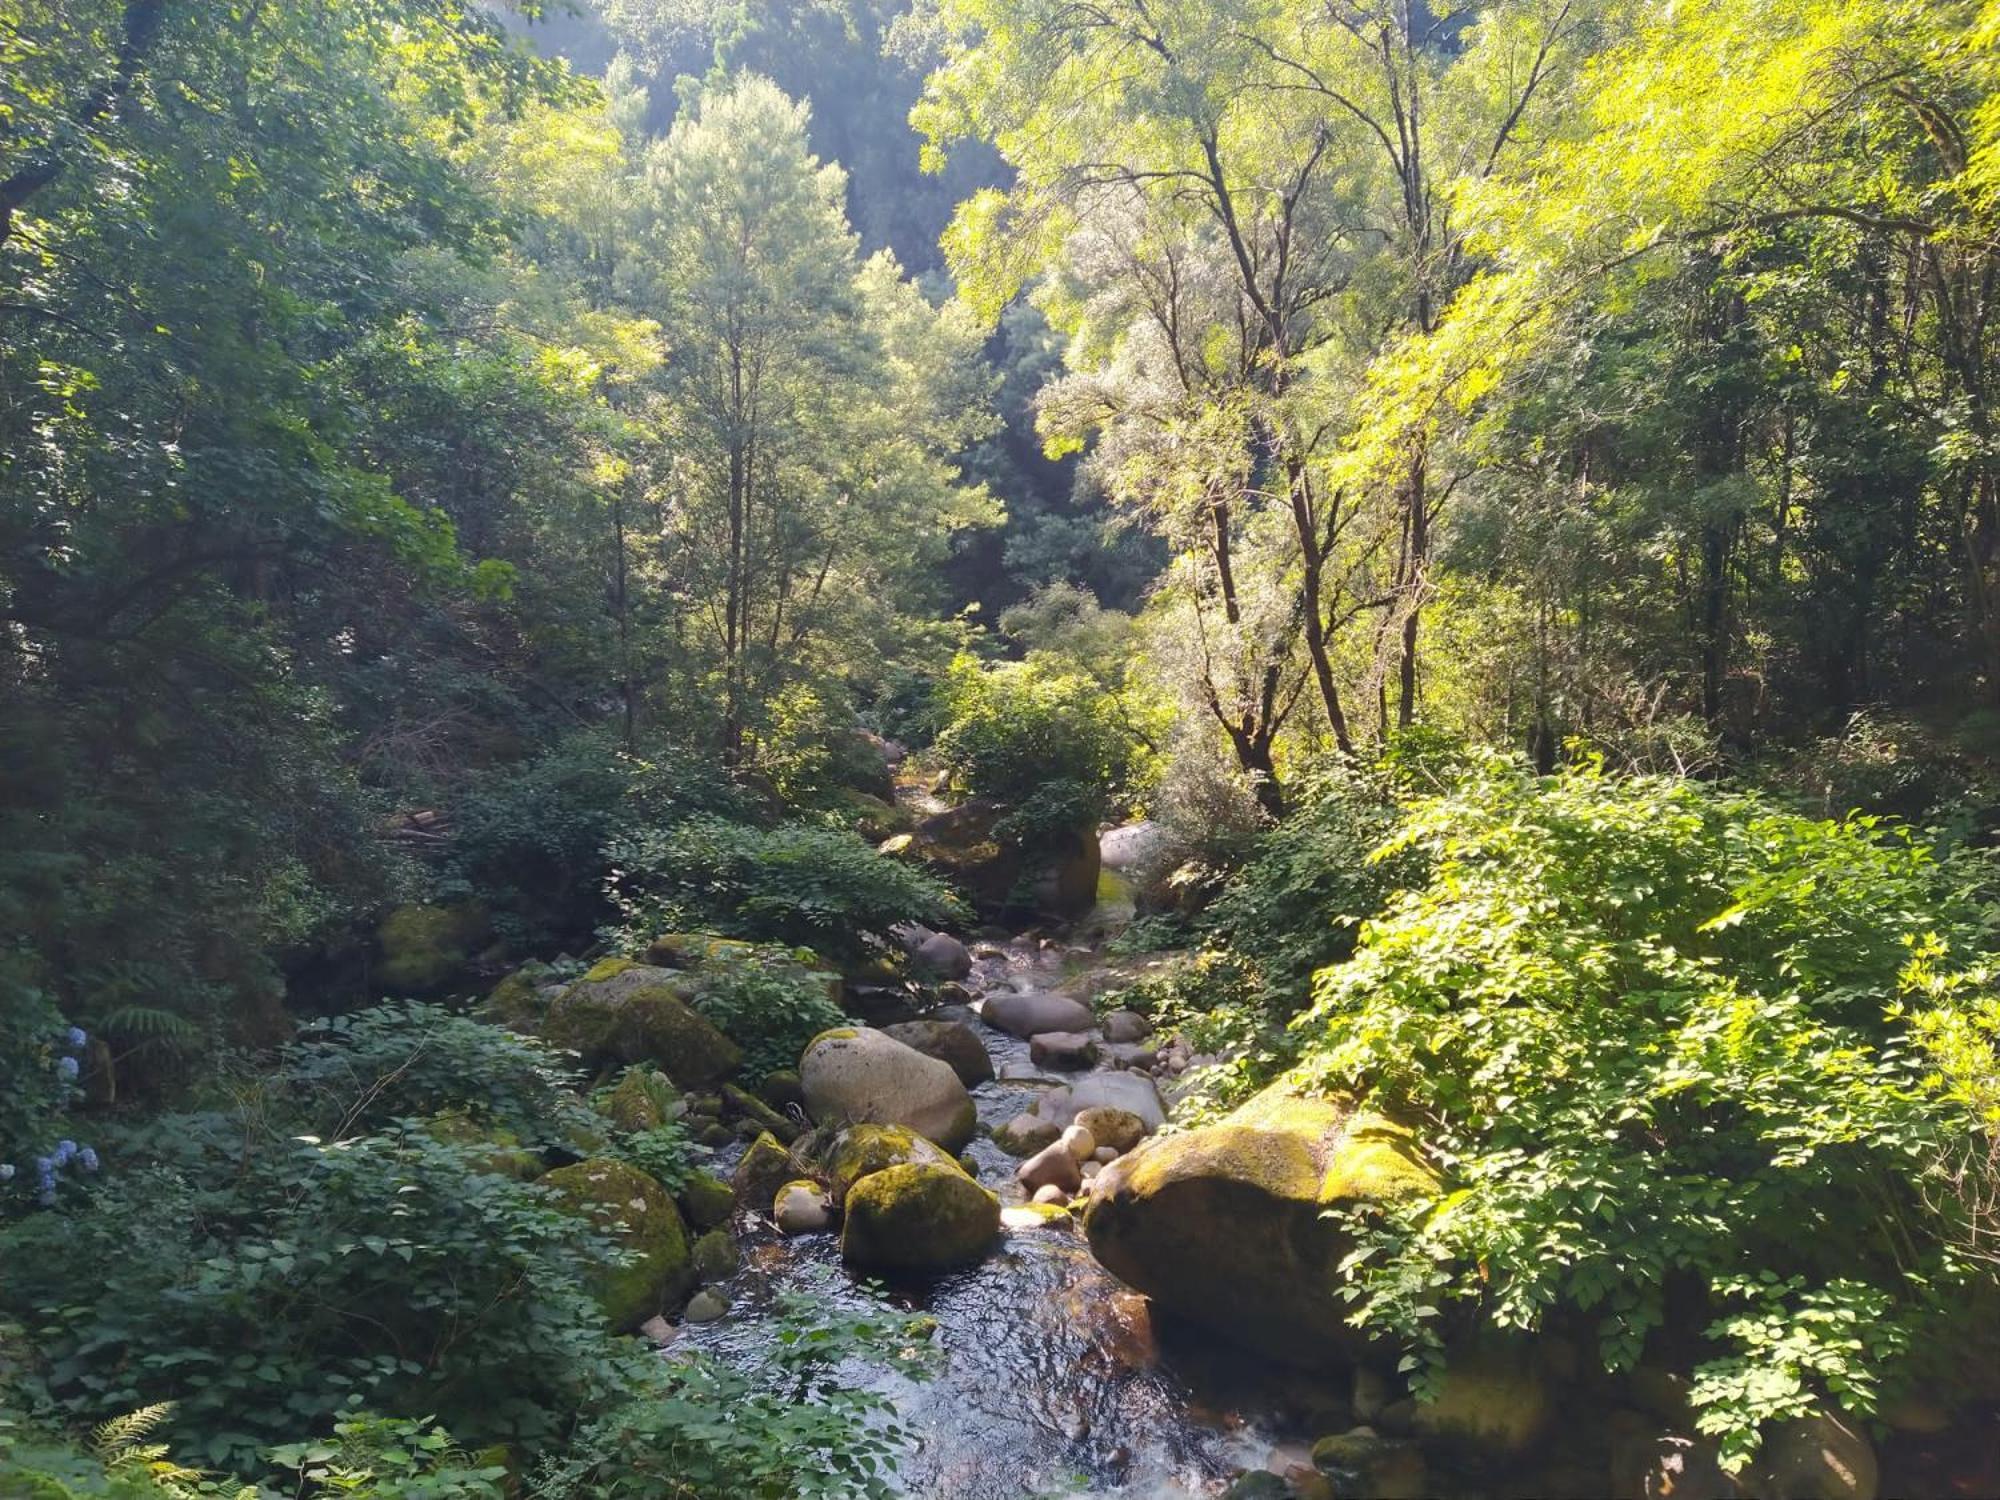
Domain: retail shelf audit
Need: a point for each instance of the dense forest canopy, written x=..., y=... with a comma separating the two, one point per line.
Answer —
x=1499, y=499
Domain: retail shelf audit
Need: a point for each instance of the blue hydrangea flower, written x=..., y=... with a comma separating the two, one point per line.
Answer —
x=87, y=1159
x=65, y=1153
x=66, y=1069
x=6, y=1171
x=76, y=1036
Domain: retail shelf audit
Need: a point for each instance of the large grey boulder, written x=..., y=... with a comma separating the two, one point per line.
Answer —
x=1028, y=1015
x=951, y=1042
x=857, y=1075
x=943, y=956
x=1133, y=1092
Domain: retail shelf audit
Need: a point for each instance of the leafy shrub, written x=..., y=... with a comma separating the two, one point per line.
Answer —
x=1046, y=742
x=666, y=1153
x=799, y=885
x=283, y=1277
x=119, y=1464
x=390, y=1458
x=41, y=1059
x=788, y=1422
x=770, y=1005
x=407, y=1058
x=1658, y=1033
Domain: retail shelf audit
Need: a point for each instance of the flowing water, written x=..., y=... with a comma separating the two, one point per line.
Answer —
x=1056, y=1380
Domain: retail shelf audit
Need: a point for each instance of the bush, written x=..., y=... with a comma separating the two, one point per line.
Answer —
x=769, y=1004
x=799, y=885
x=1661, y=1034
x=1043, y=741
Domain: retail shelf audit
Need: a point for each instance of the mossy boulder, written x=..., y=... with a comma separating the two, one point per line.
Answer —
x=706, y=1200
x=765, y=1167
x=874, y=818
x=643, y=1100
x=621, y=1013
x=782, y=1088
x=1226, y=1225
x=920, y=1216
x=639, y=1215
x=862, y=1150
x=490, y=1148
x=739, y=1105
x=715, y=1256
x=857, y=1075
x=424, y=948
x=517, y=1002
x=1493, y=1398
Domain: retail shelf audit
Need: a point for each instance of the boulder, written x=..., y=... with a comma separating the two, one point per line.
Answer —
x=424, y=948
x=637, y=1214
x=942, y=956
x=1669, y=1467
x=782, y=1088
x=918, y=1217
x=765, y=1167
x=1493, y=1398
x=621, y=1012
x=1242, y=1205
x=1028, y=1015
x=863, y=1150
x=801, y=1208
x=1126, y=1026
x=1079, y=1142
x=1820, y=1457
x=643, y=1100
x=715, y=1256
x=706, y=1306
x=1132, y=1092
x=950, y=1042
x=1364, y=1462
x=1119, y=1129
x=1070, y=1050
x=1025, y=1134
x=706, y=1200
x=1050, y=1196
x=1052, y=1166
x=855, y=1075
x=1132, y=846
x=739, y=1105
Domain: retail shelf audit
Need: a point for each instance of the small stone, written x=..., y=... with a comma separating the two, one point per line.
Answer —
x=1090, y=1169
x=1079, y=1142
x=1062, y=1049
x=706, y=1306
x=801, y=1208
x=1104, y=1156
x=658, y=1332
x=1050, y=1194
x=1025, y=1134
x=1052, y=1166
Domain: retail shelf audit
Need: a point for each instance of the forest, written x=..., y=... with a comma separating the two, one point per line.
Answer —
x=999, y=748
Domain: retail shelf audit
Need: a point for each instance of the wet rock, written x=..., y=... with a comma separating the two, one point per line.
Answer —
x=706, y=1306
x=1071, y=1050
x=1118, y=1129
x=854, y=1074
x=1820, y=1457
x=1494, y=1397
x=783, y=1088
x=1242, y=1204
x=1050, y=1195
x=1132, y=1092
x=950, y=1042
x=1030, y=1014
x=943, y=957
x=621, y=1012
x=862, y=1150
x=706, y=1200
x=715, y=1256
x=1364, y=1462
x=1126, y=1026
x=1079, y=1142
x=800, y=1207
x=639, y=1216
x=1052, y=1166
x=918, y=1217
x=1258, y=1484
x=1025, y=1134
x=1668, y=1467
x=765, y=1167
x=1035, y=1215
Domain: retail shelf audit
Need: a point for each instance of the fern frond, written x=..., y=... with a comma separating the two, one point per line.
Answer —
x=120, y=1435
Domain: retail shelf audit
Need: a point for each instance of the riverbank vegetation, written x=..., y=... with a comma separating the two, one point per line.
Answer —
x=506, y=510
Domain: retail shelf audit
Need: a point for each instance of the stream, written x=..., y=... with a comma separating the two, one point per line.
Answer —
x=1056, y=1380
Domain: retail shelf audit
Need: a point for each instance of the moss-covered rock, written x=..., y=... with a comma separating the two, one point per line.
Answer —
x=706, y=1200
x=491, y=1148
x=1493, y=1398
x=765, y=1167
x=643, y=1100
x=1227, y=1226
x=782, y=1088
x=621, y=1012
x=639, y=1215
x=861, y=1150
x=918, y=1217
x=738, y=1105
x=874, y=818
x=715, y=1256
x=517, y=1002
x=424, y=948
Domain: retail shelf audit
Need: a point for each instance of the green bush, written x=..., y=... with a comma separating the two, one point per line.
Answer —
x=1046, y=742
x=799, y=885
x=1662, y=1034
x=769, y=1004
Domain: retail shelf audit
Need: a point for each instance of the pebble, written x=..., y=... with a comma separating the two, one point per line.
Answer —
x=1079, y=1142
x=658, y=1332
x=706, y=1306
x=1103, y=1155
x=1052, y=1166
x=1050, y=1194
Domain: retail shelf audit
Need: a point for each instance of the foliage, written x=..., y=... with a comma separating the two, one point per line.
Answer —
x=790, y=1422
x=797, y=884
x=120, y=1465
x=390, y=1458
x=770, y=1003
x=1656, y=1032
x=1046, y=742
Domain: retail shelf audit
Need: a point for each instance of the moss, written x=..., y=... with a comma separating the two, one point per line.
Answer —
x=783, y=1087
x=607, y=968
x=831, y=1034
x=715, y=1256
x=424, y=948
x=635, y=1014
x=694, y=950
x=740, y=1105
x=490, y=1148
x=707, y=1200
x=766, y=1167
x=643, y=1100
x=1492, y=1397
x=1377, y=1161
x=918, y=1217
x=862, y=1150
x=637, y=1213
x=516, y=1001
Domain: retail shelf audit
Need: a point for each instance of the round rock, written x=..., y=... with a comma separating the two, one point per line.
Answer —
x=859, y=1075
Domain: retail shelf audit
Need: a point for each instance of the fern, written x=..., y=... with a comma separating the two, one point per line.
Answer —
x=120, y=1445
